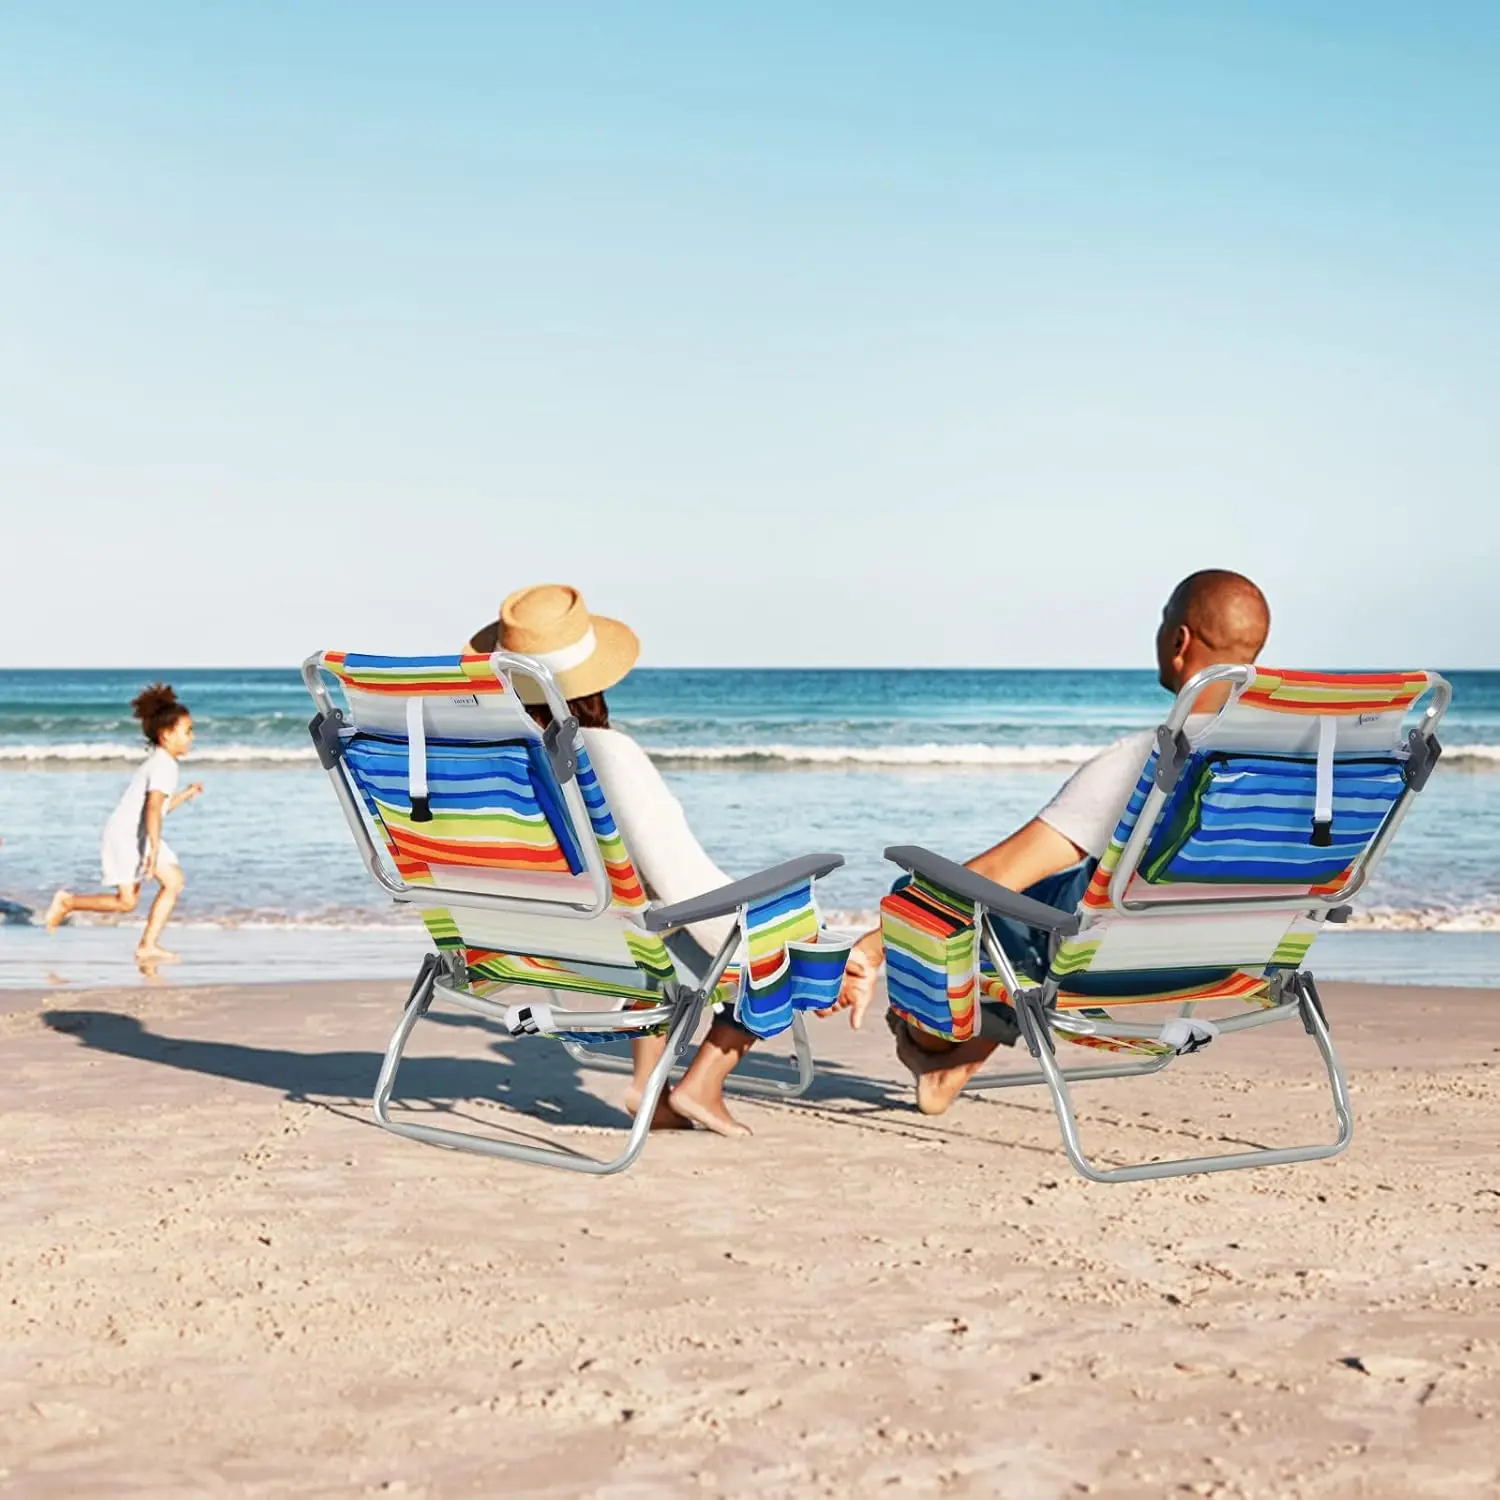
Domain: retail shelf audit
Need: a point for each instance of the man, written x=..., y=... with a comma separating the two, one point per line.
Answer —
x=1212, y=617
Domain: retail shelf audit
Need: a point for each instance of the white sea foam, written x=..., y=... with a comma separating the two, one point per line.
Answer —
x=103, y=753
x=932, y=755
x=936, y=755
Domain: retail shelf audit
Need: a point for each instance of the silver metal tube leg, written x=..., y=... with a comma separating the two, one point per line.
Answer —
x=1034, y=1027
x=684, y=1023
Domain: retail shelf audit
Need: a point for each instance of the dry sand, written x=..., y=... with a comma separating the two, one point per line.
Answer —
x=217, y=1277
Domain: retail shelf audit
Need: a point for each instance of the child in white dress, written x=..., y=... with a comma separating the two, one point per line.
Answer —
x=132, y=850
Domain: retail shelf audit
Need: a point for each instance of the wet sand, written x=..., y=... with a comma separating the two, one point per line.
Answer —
x=217, y=1277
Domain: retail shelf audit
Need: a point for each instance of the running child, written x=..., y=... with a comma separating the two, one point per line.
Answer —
x=132, y=850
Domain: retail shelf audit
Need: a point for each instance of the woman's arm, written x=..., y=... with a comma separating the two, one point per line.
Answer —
x=667, y=855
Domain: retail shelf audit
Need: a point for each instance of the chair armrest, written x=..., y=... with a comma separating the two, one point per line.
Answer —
x=989, y=894
x=738, y=893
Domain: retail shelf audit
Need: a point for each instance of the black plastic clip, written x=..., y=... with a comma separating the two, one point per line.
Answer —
x=326, y=739
x=1422, y=751
x=421, y=810
x=560, y=738
x=1338, y=914
x=1322, y=834
x=1312, y=1004
x=1172, y=752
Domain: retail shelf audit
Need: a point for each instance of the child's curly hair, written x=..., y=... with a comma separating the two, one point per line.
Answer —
x=158, y=708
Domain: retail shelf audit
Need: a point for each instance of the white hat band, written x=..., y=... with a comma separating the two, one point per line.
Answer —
x=565, y=658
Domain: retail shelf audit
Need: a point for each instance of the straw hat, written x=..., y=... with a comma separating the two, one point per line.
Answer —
x=549, y=621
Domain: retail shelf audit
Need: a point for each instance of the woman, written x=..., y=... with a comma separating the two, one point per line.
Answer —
x=132, y=849
x=588, y=654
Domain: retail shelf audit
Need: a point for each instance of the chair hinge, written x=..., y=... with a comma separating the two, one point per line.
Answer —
x=1172, y=752
x=327, y=740
x=1422, y=752
x=560, y=739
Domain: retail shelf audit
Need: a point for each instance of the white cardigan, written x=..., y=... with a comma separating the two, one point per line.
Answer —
x=668, y=858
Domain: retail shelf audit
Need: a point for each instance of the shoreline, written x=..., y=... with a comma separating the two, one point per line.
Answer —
x=100, y=955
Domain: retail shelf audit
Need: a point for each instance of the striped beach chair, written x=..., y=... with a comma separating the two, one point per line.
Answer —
x=1247, y=831
x=501, y=836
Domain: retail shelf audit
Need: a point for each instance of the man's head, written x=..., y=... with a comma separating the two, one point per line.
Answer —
x=1213, y=616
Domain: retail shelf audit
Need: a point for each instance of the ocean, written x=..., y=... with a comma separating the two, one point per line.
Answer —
x=768, y=764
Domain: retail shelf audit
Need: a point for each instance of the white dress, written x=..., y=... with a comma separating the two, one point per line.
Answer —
x=122, y=850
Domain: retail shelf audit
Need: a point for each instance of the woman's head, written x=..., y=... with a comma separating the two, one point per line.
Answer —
x=591, y=711
x=165, y=720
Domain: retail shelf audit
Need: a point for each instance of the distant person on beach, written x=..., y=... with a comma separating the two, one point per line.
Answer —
x=1213, y=616
x=587, y=655
x=132, y=850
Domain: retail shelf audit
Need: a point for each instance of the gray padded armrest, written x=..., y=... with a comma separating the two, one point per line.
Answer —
x=737, y=893
x=994, y=897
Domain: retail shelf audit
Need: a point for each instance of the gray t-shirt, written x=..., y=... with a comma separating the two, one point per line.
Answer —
x=1087, y=808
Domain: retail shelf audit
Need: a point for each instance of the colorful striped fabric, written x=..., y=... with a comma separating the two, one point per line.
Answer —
x=931, y=959
x=646, y=951
x=494, y=807
x=1325, y=693
x=414, y=676
x=1242, y=819
x=792, y=964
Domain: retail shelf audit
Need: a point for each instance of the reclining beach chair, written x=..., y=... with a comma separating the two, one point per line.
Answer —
x=1247, y=831
x=500, y=834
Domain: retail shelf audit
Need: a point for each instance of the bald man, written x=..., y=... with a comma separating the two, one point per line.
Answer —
x=1212, y=617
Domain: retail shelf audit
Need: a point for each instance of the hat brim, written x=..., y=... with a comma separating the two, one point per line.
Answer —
x=616, y=651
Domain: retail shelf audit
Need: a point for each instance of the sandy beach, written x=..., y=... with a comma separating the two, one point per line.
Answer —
x=218, y=1277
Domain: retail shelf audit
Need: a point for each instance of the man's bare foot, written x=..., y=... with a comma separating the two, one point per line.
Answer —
x=664, y=1117
x=57, y=911
x=710, y=1114
x=155, y=955
x=940, y=1076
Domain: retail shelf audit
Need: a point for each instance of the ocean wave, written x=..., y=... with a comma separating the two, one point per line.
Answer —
x=936, y=755
x=932, y=755
x=91, y=753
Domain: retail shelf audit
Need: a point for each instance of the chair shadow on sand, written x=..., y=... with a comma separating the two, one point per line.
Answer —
x=544, y=1083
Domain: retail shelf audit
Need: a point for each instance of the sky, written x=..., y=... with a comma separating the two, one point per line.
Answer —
x=792, y=334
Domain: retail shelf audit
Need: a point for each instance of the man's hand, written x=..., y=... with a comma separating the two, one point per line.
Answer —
x=866, y=958
x=148, y=865
x=191, y=790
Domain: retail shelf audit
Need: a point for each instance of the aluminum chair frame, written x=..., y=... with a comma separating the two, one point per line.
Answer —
x=442, y=974
x=1294, y=994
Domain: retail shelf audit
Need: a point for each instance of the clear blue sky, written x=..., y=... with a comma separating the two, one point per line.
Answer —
x=835, y=334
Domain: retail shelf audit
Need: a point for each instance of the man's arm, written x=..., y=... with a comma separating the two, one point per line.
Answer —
x=1028, y=855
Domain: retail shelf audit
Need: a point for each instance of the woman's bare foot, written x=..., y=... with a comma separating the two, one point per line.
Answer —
x=155, y=955
x=709, y=1113
x=662, y=1118
x=57, y=911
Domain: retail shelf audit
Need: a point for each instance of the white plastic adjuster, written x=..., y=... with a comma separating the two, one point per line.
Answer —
x=1184, y=1034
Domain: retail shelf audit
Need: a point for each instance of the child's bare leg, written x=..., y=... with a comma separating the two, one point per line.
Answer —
x=171, y=883
x=65, y=903
x=645, y=1053
x=700, y=1095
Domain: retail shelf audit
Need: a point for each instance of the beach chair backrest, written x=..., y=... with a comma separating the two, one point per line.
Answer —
x=1245, y=829
x=530, y=879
